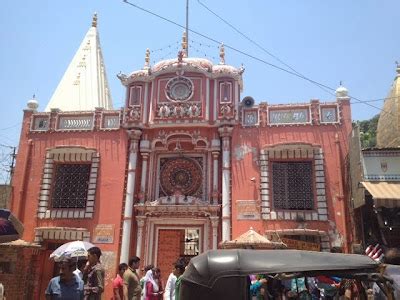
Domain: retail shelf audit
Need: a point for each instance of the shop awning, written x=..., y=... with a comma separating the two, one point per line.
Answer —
x=385, y=194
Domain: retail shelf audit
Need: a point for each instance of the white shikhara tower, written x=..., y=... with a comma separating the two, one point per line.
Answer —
x=84, y=85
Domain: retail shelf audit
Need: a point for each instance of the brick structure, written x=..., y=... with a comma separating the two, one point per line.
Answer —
x=19, y=269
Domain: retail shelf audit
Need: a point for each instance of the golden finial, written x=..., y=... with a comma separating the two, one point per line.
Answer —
x=222, y=54
x=94, y=20
x=184, y=44
x=147, y=59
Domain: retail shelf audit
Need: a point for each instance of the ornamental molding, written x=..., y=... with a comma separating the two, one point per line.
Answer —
x=380, y=153
x=181, y=180
x=227, y=111
x=225, y=131
x=177, y=200
x=197, y=65
x=179, y=89
x=179, y=110
x=61, y=233
x=133, y=114
x=291, y=146
x=179, y=135
x=134, y=134
x=198, y=209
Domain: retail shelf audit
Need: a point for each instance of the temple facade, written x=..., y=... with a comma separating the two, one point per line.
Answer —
x=186, y=164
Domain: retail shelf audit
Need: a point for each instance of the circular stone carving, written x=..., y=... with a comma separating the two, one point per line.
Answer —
x=182, y=175
x=179, y=89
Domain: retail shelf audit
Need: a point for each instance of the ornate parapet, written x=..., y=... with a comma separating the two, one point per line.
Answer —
x=179, y=110
x=178, y=206
x=75, y=121
x=178, y=200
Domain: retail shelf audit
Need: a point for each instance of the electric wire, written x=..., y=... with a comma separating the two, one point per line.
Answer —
x=251, y=56
x=255, y=43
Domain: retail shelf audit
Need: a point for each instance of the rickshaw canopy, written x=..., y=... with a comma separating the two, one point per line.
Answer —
x=207, y=268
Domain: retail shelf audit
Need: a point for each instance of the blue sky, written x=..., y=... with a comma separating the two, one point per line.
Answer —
x=328, y=41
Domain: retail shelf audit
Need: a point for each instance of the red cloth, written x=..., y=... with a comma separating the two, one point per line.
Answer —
x=150, y=292
x=325, y=279
x=118, y=283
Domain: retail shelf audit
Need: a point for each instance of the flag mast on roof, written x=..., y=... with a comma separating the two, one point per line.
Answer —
x=187, y=28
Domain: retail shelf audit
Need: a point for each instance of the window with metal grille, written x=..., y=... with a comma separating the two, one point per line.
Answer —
x=70, y=188
x=292, y=185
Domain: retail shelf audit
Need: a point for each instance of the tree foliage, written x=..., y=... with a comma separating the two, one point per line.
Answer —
x=368, y=132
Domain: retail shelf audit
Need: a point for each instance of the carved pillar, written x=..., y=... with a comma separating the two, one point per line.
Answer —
x=215, y=148
x=214, y=225
x=215, y=177
x=140, y=223
x=144, y=151
x=226, y=133
x=134, y=136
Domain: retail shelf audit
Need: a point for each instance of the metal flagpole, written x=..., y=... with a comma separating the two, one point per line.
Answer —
x=187, y=28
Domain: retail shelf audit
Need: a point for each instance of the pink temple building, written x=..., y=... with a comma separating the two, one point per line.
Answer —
x=186, y=164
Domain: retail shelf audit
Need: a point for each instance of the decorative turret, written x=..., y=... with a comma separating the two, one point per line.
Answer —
x=222, y=54
x=341, y=92
x=147, y=59
x=184, y=44
x=32, y=104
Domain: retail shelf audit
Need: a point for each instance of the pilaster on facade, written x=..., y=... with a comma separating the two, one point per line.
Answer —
x=226, y=134
x=214, y=225
x=145, y=153
x=140, y=220
x=215, y=193
x=134, y=136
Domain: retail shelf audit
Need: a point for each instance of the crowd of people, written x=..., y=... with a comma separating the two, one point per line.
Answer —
x=264, y=287
x=84, y=279
x=306, y=288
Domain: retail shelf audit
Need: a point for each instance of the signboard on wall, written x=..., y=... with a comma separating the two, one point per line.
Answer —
x=301, y=245
x=104, y=234
x=248, y=209
x=289, y=116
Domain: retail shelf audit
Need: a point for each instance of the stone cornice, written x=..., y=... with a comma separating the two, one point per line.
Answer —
x=205, y=210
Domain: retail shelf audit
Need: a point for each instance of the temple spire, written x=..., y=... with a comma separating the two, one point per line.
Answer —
x=84, y=85
x=94, y=20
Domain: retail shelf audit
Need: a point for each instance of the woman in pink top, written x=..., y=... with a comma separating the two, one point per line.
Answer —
x=153, y=287
x=118, y=282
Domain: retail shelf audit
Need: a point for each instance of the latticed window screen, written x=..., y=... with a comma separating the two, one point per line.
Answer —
x=292, y=185
x=70, y=187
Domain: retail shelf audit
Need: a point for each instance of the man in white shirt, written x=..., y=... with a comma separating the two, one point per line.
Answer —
x=80, y=265
x=169, y=293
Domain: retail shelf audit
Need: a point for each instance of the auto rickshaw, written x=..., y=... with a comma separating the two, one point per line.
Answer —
x=224, y=274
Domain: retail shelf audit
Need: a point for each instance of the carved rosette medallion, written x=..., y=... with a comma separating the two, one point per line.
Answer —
x=182, y=176
x=179, y=89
